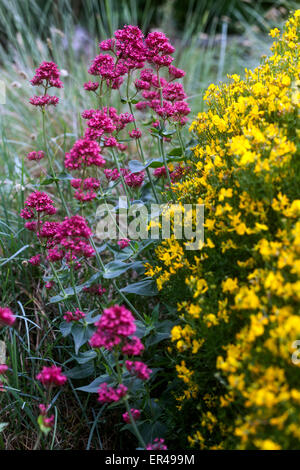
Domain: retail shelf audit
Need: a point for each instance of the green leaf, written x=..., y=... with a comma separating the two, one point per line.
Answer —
x=90, y=318
x=176, y=152
x=81, y=372
x=116, y=268
x=93, y=386
x=167, y=133
x=81, y=334
x=49, y=180
x=84, y=357
x=145, y=287
x=65, y=328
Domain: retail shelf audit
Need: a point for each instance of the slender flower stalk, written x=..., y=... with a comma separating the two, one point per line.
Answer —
x=53, y=174
x=138, y=143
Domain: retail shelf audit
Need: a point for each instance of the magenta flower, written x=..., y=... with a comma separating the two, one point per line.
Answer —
x=71, y=240
x=95, y=290
x=136, y=414
x=6, y=316
x=37, y=202
x=91, y=86
x=158, y=444
x=135, y=134
x=51, y=376
x=36, y=155
x=85, y=152
x=74, y=316
x=174, y=72
x=47, y=75
x=35, y=260
x=43, y=101
x=109, y=394
x=160, y=172
x=3, y=369
x=49, y=284
x=116, y=324
x=134, y=180
x=133, y=347
x=123, y=243
x=139, y=369
x=48, y=422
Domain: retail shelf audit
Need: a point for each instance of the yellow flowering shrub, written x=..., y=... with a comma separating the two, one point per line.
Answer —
x=238, y=297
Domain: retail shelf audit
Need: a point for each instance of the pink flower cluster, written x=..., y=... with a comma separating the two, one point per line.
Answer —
x=3, y=369
x=105, y=121
x=160, y=172
x=114, y=327
x=6, y=316
x=70, y=240
x=158, y=444
x=91, y=86
x=36, y=155
x=48, y=422
x=85, y=188
x=133, y=180
x=37, y=202
x=111, y=175
x=133, y=347
x=97, y=289
x=46, y=75
x=123, y=243
x=74, y=316
x=109, y=394
x=139, y=369
x=51, y=376
x=35, y=260
x=136, y=414
x=84, y=153
x=130, y=53
x=45, y=100
x=135, y=134
x=173, y=105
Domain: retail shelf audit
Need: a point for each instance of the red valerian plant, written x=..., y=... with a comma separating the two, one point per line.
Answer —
x=139, y=70
x=6, y=317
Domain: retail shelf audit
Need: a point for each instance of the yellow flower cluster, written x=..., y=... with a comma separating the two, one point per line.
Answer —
x=239, y=312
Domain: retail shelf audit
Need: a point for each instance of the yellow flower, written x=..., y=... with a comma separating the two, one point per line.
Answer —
x=230, y=285
x=266, y=444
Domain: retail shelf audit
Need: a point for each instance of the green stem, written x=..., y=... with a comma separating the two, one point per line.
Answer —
x=51, y=166
x=135, y=428
x=37, y=443
x=98, y=257
x=73, y=283
x=139, y=316
x=180, y=138
x=161, y=142
x=126, y=189
x=163, y=156
x=139, y=145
